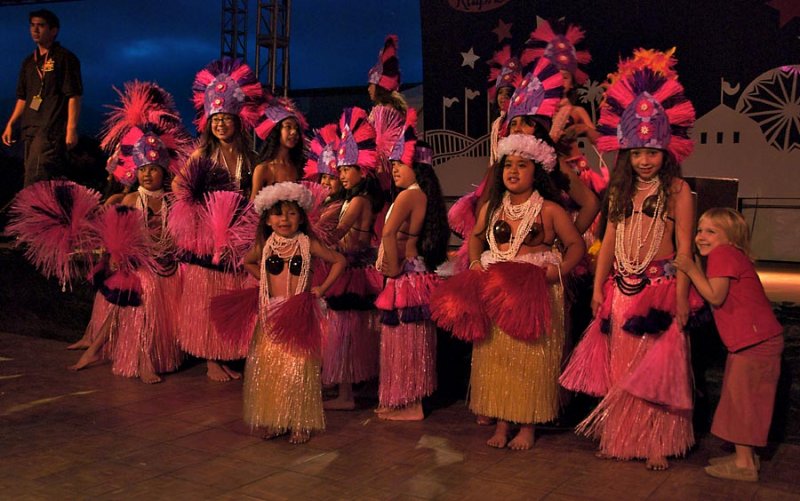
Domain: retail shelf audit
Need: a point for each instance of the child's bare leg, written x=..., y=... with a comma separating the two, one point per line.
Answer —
x=657, y=463
x=411, y=412
x=500, y=437
x=524, y=439
x=484, y=420
x=147, y=372
x=216, y=372
x=344, y=401
x=230, y=372
x=91, y=356
x=745, y=458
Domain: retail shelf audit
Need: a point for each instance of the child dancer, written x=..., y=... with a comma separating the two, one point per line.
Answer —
x=749, y=330
x=351, y=355
x=282, y=389
x=414, y=243
x=646, y=412
x=515, y=370
x=228, y=96
x=321, y=168
x=282, y=156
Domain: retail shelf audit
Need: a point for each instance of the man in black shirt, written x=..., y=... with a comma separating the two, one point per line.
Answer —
x=49, y=93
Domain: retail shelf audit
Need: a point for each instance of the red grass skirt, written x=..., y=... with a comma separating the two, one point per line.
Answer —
x=195, y=332
x=745, y=407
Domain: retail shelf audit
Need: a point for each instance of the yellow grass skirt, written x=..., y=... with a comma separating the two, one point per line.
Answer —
x=517, y=380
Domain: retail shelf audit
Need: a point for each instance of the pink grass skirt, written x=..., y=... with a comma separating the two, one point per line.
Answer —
x=408, y=363
x=195, y=331
x=350, y=352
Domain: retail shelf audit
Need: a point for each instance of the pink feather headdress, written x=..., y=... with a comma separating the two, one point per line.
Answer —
x=386, y=72
x=403, y=150
x=356, y=140
x=560, y=48
x=274, y=111
x=505, y=70
x=539, y=93
x=145, y=129
x=322, y=153
x=645, y=107
x=227, y=86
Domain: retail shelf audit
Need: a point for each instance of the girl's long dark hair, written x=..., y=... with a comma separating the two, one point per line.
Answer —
x=369, y=188
x=272, y=144
x=209, y=144
x=432, y=243
x=264, y=230
x=622, y=184
x=542, y=182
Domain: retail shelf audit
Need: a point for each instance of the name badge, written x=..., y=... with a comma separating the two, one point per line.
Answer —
x=36, y=102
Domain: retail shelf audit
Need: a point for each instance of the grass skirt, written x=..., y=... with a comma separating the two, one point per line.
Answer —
x=350, y=353
x=408, y=363
x=629, y=427
x=517, y=380
x=281, y=391
x=195, y=331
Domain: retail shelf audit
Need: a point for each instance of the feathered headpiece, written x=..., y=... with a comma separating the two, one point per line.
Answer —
x=528, y=147
x=538, y=93
x=322, y=153
x=275, y=110
x=505, y=70
x=386, y=72
x=560, y=48
x=645, y=107
x=283, y=192
x=356, y=140
x=227, y=86
x=145, y=129
x=403, y=150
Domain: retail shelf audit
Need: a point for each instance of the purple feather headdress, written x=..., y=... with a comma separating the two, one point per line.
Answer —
x=227, y=86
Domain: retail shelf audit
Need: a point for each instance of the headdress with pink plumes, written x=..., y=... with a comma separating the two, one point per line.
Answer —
x=275, y=111
x=145, y=129
x=538, y=93
x=322, y=153
x=386, y=72
x=404, y=148
x=645, y=107
x=356, y=140
x=505, y=70
x=560, y=47
x=227, y=86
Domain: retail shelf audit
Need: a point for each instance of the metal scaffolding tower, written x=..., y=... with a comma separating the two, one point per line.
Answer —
x=272, y=42
x=233, y=39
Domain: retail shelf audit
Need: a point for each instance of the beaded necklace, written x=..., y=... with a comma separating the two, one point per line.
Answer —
x=285, y=248
x=628, y=246
x=526, y=213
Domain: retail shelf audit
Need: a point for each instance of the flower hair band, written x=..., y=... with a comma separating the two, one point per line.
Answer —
x=283, y=192
x=529, y=147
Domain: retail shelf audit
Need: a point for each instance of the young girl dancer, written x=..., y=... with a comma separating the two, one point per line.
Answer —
x=749, y=330
x=282, y=156
x=321, y=168
x=414, y=243
x=515, y=371
x=351, y=355
x=227, y=96
x=282, y=389
x=646, y=412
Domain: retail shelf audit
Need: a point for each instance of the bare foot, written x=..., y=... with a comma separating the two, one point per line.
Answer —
x=79, y=345
x=339, y=404
x=524, y=439
x=146, y=371
x=411, y=412
x=299, y=437
x=500, y=437
x=659, y=463
x=485, y=420
x=86, y=360
x=217, y=372
x=382, y=410
x=603, y=455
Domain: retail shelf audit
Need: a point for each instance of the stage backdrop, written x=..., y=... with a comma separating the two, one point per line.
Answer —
x=738, y=60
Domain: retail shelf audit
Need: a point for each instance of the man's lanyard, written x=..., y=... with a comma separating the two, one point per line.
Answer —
x=41, y=71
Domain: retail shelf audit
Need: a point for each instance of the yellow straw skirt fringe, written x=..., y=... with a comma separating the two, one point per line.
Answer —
x=517, y=380
x=281, y=391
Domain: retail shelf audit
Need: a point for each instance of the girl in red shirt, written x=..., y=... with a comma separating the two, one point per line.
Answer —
x=749, y=330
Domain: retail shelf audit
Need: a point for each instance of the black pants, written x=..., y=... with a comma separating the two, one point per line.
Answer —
x=45, y=156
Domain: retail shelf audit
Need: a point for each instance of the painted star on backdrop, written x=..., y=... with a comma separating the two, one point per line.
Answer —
x=503, y=30
x=469, y=58
x=788, y=10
